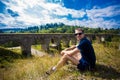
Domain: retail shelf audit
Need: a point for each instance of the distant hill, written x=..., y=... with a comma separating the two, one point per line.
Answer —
x=10, y=30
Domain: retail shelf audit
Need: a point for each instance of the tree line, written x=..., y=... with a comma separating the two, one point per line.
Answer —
x=60, y=28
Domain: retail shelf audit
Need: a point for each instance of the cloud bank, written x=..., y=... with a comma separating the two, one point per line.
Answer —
x=23, y=13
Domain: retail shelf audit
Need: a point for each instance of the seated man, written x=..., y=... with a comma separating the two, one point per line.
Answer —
x=82, y=55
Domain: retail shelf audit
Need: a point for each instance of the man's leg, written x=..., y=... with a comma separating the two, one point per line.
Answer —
x=74, y=59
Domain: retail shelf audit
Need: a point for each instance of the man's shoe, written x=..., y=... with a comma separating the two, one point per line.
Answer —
x=50, y=71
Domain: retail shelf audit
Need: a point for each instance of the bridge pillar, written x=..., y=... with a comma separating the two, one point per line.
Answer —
x=45, y=45
x=59, y=45
x=66, y=42
x=119, y=47
x=98, y=39
x=73, y=41
x=90, y=38
x=57, y=41
x=26, y=47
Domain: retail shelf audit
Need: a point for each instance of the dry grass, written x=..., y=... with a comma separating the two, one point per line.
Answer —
x=34, y=68
x=108, y=56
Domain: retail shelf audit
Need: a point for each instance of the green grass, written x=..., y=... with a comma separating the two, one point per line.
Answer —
x=51, y=50
x=37, y=47
x=34, y=68
x=8, y=56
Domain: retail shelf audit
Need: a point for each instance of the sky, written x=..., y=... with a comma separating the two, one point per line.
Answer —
x=88, y=13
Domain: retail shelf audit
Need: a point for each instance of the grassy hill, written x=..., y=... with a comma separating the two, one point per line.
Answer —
x=14, y=67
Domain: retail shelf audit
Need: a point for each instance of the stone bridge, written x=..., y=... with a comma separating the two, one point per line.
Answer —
x=26, y=40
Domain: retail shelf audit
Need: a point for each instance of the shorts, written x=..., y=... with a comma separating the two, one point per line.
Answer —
x=83, y=65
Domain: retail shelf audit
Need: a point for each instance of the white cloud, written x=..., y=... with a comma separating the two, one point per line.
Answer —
x=37, y=12
x=96, y=16
x=105, y=12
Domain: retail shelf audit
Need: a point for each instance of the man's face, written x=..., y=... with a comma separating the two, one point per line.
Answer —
x=79, y=34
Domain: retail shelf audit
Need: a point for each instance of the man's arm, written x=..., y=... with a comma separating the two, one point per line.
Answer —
x=70, y=48
x=72, y=52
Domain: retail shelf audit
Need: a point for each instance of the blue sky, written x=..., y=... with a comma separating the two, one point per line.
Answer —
x=89, y=13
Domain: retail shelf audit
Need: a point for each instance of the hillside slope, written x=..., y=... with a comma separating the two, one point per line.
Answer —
x=108, y=66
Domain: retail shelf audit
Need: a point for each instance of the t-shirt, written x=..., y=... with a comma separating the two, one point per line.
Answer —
x=87, y=51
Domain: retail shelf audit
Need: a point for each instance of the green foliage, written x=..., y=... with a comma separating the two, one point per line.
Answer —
x=70, y=29
x=10, y=44
x=37, y=47
x=113, y=42
x=7, y=57
x=60, y=28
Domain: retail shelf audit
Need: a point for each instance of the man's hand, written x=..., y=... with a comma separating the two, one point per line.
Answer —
x=66, y=49
x=62, y=52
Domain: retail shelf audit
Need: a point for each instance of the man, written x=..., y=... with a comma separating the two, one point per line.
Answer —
x=82, y=55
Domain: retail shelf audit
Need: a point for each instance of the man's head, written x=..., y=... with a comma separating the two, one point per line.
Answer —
x=79, y=33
